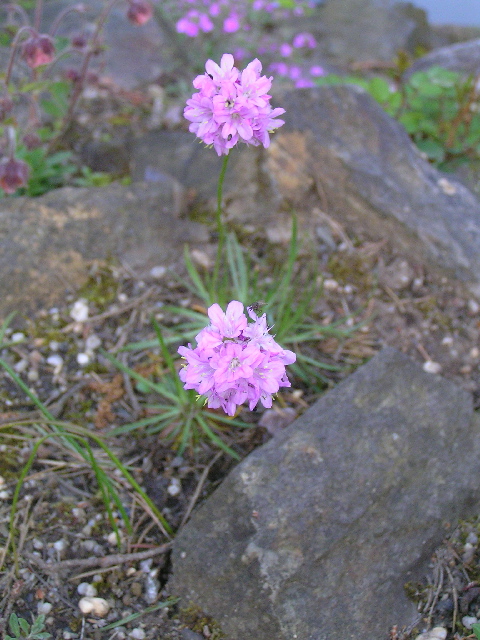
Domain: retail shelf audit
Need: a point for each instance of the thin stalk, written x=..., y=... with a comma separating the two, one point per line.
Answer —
x=220, y=225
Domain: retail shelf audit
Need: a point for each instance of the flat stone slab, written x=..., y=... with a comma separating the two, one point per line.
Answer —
x=48, y=243
x=314, y=534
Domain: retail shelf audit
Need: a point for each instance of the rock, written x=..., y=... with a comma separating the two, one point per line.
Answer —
x=340, y=150
x=364, y=30
x=337, y=512
x=181, y=155
x=463, y=57
x=134, y=55
x=48, y=243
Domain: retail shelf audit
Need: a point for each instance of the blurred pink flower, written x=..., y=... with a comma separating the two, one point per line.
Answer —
x=304, y=39
x=231, y=24
x=38, y=50
x=13, y=174
x=139, y=11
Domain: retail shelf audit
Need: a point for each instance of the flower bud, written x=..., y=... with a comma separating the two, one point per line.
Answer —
x=38, y=50
x=139, y=12
x=6, y=105
x=13, y=174
x=31, y=141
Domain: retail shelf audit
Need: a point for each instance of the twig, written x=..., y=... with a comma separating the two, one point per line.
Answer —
x=105, y=561
x=199, y=487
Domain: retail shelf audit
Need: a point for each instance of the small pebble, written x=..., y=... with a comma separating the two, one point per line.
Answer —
x=474, y=353
x=137, y=634
x=44, y=608
x=432, y=367
x=96, y=606
x=330, y=285
x=437, y=633
x=468, y=621
x=472, y=538
x=60, y=545
x=18, y=336
x=83, y=359
x=174, y=488
x=79, y=311
x=92, y=342
x=21, y=365
x=55, y=361
x=86, y=589
x=158, y=272
x=473, y=307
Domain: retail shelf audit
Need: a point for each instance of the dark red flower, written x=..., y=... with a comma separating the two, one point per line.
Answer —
x=31, y=140
x=38, y=50
x=139, y=11
x=6, y=105
x=13, y=174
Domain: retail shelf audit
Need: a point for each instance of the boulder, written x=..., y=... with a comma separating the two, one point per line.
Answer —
x=463, y=57
x=366, y=30
x=134, y=55
x=48, y=243
x=314, y=534
x=340, y=150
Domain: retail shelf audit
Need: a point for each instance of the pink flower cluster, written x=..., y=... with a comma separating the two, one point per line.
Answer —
x=232, y=106
x=235, y=361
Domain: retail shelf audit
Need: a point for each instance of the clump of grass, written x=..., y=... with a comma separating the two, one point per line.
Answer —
x=82, y=444
x=289, y=302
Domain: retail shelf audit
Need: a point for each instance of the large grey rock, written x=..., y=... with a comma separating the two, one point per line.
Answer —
x=48, y=243
x=315, y=533
x=134, y=55
x=340, y=150
x=463, y=57
x=364, y=30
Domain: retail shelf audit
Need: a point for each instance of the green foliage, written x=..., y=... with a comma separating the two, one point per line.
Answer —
x=47, y=170
x=288, y=300
x=439, y=108
x=476, y=630
x=21, y=630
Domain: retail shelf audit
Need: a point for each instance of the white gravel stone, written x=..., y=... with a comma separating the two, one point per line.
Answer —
x=92, y=342
x=158, y=272
x=137, y=634
x=4, y=495
x=86, y=589
x=174, y=488
x=473, y=307
x=55, y=361
x=330, y=285
x=18, y=336
x=437, y=633
x=432, y=367
x=60, y=545
x=79, y=310
x=96, y=606
x=83, y=359
x=44, y=608
x=21, y=365
x=468, y=621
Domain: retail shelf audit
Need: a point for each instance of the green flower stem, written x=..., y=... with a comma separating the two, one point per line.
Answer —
x=220, y=225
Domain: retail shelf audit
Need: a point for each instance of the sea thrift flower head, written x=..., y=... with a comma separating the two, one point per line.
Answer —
x=235, y=361
x=13, y=174
x=38, y=50
x=231, y=24
x=232, y=107
x=304, y=40
x=139, y=11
